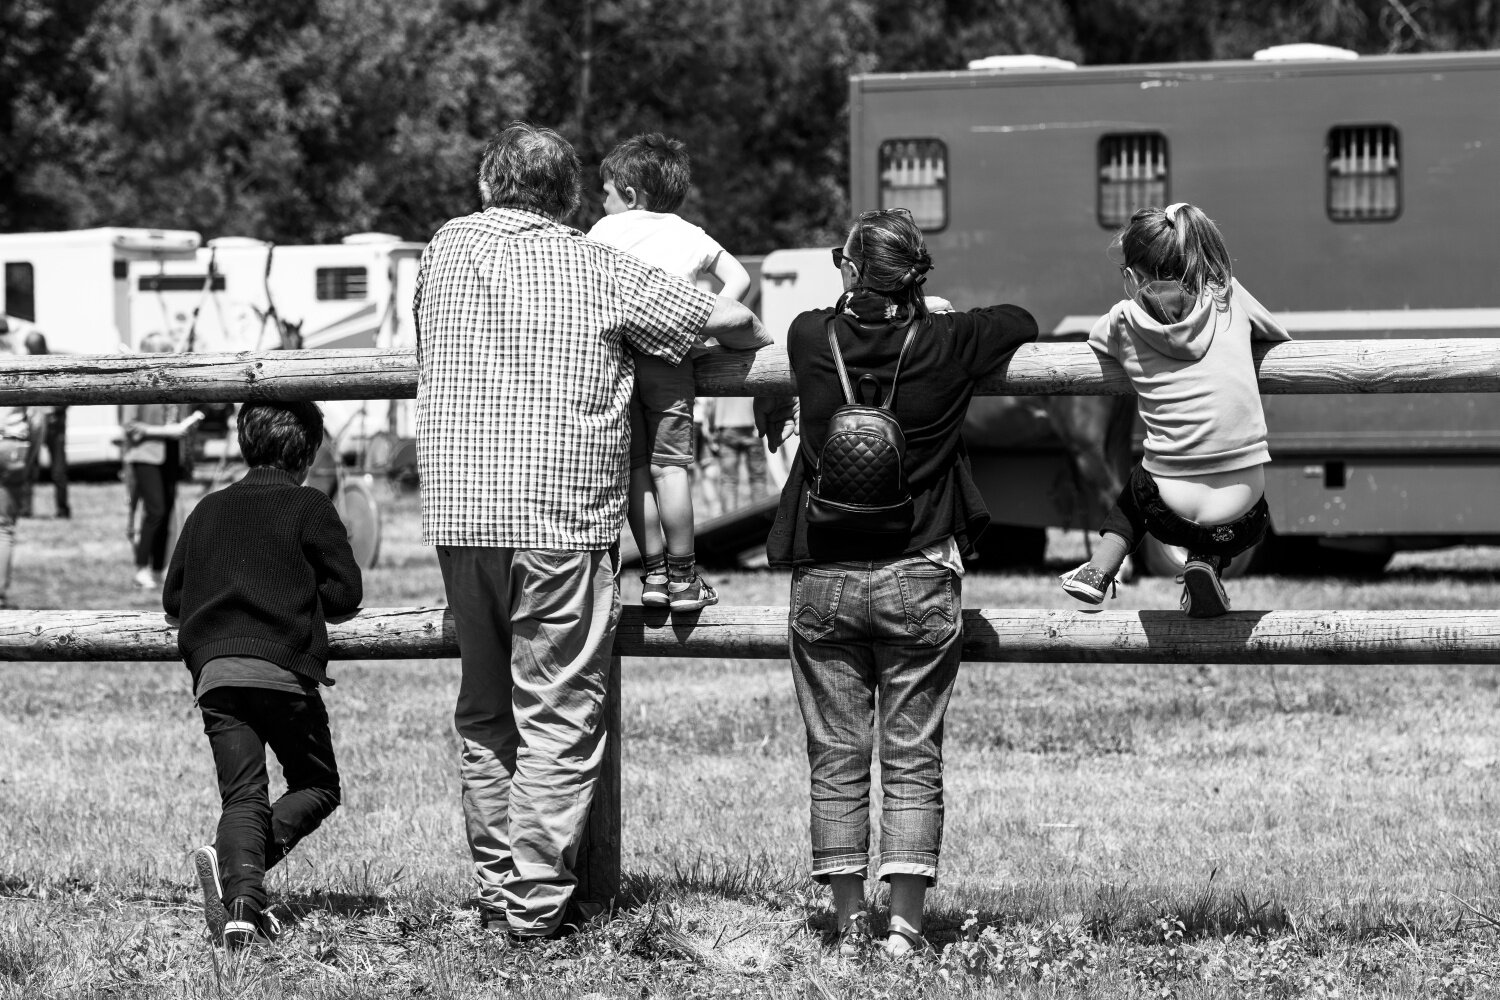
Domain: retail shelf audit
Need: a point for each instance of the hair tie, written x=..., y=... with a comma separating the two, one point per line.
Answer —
x=1171, y=212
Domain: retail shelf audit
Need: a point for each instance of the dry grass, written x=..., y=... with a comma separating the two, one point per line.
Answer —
x=1119, y=831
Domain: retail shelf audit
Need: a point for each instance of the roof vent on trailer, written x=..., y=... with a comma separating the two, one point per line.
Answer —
x=1304, y=50
x=235, y=242
x=1021, y=62
x=359, y=239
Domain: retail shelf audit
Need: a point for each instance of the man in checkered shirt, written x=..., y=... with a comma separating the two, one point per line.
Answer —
x=522, y=427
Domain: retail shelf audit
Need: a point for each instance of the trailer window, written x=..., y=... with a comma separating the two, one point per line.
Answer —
x=341, y=283
x=1132, y=175
x=914, y=176
x=178, y=282
x=1364, y=173
x=20, y=291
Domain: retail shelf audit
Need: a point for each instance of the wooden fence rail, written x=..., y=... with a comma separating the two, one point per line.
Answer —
x=1298, y=367
x=991, y=635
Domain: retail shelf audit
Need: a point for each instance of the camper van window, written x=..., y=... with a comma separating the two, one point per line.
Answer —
x=341, y=283
x=1364, y=173
x=914, y=176
x=20, y=291
x=1132, y=175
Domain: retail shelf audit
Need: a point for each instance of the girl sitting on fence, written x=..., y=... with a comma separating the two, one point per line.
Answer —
x=1183, y=336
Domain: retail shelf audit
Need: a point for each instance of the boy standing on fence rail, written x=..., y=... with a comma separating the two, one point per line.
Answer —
x=645, y=181
x=258, y=568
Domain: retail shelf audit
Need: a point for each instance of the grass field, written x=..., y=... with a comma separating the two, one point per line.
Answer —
x=1184, y=830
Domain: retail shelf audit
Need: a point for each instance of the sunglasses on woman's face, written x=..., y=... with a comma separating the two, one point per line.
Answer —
x=839, y=258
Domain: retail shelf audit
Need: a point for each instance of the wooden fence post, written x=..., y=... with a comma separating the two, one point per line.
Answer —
x=599, y=855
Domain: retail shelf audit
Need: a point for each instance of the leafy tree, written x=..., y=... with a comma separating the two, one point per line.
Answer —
x=49, y=54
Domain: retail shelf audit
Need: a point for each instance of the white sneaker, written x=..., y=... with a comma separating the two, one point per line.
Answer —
x=145, y=579
x=206, y=865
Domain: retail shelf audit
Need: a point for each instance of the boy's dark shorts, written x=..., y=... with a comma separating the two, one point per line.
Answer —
x=1140, y=509
x=661, y=413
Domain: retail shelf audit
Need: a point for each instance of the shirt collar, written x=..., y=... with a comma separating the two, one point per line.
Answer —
x=268, y=475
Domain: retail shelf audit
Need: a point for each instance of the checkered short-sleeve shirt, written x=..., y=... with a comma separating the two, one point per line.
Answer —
x=524, y=378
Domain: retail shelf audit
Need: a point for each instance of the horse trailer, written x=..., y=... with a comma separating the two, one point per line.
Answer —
x=1358, y=198
x=75, y=288
x=100, y=291
x=243, y=294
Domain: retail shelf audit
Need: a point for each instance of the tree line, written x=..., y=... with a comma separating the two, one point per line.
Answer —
x=304, y=120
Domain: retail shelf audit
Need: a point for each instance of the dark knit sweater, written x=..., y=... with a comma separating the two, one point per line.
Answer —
x=258, y=566
x=937, y=380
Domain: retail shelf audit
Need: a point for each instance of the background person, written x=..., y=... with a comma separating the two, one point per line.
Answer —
x=876, y=622
x=741, y=452
x=646, y=179
x=524, y=382
x=15, y=445
x=49, y=431
x=153, y=436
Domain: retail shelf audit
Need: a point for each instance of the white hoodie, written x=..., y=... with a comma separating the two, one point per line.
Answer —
x=1189, y=361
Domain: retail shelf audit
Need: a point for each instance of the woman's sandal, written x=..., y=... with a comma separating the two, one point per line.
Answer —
x=855, y=941
x=916, y=944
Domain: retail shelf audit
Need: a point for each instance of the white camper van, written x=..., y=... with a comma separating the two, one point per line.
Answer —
x=74, y=287
x=240, y=294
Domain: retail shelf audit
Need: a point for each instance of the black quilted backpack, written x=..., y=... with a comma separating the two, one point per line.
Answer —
x=860, y=482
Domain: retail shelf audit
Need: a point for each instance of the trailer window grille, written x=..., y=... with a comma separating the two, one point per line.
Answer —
x=178, y=283
x=914, y=176
x=341, y=283
x=1364, y=173
x=1132, y=176
x=20, y=291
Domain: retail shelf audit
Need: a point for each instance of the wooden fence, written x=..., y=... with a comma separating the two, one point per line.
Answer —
x=1009, y=635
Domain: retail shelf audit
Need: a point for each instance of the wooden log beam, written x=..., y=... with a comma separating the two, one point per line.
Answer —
x=1000, y=635
x=1300, y=367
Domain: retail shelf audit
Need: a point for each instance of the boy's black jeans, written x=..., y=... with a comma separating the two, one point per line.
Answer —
x=1140, y=510
x=254, y=834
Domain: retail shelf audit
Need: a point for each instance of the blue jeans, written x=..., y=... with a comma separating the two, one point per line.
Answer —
x=875, y=644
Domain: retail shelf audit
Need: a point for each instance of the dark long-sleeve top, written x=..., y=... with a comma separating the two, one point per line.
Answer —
x=258, y=567
x=942, y=365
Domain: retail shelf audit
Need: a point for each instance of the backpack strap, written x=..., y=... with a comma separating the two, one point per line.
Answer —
x=889, y=403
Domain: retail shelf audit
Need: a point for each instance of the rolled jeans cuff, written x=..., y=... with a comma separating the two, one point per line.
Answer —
x=908, y=863
x=853, y=863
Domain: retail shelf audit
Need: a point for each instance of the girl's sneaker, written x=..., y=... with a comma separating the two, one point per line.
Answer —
x=206, y=864
x=654, y=590
x=1202, y=594
x=691, y=595
x=1089, y=583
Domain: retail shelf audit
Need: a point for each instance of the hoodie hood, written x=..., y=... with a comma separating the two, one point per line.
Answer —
x=1173, y=322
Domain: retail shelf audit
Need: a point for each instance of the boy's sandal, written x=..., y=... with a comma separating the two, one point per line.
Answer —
x=654, y=590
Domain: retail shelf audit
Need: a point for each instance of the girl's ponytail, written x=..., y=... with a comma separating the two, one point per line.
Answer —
x=1178, y=243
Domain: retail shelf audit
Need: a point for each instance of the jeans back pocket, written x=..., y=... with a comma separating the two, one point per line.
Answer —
x=930, y=602
x=815, y=602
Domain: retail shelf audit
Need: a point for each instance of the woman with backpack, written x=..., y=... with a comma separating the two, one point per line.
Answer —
x=876, y=519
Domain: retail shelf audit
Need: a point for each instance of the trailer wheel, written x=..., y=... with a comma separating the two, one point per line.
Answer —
x=1157, y=559
x=1300, y=555
x=360, y=513
x=1010, y=546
